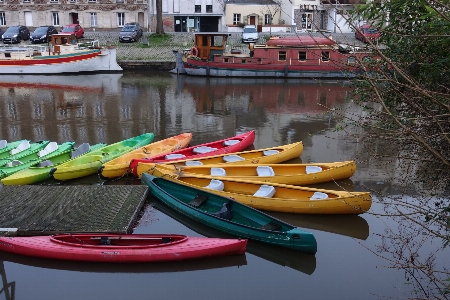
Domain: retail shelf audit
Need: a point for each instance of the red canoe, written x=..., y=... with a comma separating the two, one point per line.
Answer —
x=229, y=145
x=122, y=248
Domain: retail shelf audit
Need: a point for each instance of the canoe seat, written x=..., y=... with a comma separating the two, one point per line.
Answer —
x=266, y=191
x=272, y=226
x=14, y=163
x=45, y=163
x=82, y=149
x=51, y=147
x=174, y=156
x=318, y=196
x=265, y=171
x=203, y=149
x=232, y=158
x=193, y=163
x=198, y=200
x=218, y=172
x=270, y=152
x=225, y=212
x=22, y=146
x=215, y=185
x=231, y=142
x=313, y=169
x=3, y=144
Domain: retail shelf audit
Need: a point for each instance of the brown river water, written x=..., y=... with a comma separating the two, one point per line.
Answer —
x=109, y=108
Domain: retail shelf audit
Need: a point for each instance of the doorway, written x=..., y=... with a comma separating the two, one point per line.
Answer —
x=74, y=18
x=28, y=19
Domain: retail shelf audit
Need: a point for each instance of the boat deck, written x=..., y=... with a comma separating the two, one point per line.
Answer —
x=43, y=210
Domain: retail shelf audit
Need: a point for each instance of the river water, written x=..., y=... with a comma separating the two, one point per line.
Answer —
x=110, y=108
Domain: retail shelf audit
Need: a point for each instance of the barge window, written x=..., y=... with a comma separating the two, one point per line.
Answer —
x=282, y=55
x=325, y=55
x=302, y=56
x=225, y=60
x=351, y=60
x=236, y=19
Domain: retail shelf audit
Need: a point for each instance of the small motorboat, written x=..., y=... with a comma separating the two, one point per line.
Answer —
x=122, y=248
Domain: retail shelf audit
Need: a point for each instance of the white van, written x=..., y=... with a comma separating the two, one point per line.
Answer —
x=250, y=34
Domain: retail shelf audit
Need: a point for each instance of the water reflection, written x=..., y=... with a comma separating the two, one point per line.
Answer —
x=9, y=288
x=158, y=267
x=305, y=263
x=349, y=225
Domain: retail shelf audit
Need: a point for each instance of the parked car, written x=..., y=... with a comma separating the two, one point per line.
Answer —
x=15, y=34
x=366, y=32
x=250, y=34
x=42, y=34
x=131, y=32
x=74, y=29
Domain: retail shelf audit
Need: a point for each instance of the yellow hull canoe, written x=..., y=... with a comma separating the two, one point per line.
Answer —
x=120, y=166
x=278, y=197
x=294, y=174
x=271, y=155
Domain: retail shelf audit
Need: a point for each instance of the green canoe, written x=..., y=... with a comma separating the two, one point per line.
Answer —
x=51, y=150
x=89, y=163
x=41, y=171
x=24, y=152
x=6, y=147
x=229, y=216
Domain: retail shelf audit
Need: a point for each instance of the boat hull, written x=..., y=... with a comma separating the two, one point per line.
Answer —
x=214, y=69
x=90, y=162
x=294, y=174
x=35, y=174
x=271, y=155
x=243, y=220
x=240, y=142
x=176, y=247
x=120, y=166
x=286, y=198
x=90, y=61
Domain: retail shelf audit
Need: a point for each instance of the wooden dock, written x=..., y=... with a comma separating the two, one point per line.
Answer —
x=43, y=210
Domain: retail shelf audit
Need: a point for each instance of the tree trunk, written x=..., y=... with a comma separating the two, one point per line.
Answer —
x=159, y=22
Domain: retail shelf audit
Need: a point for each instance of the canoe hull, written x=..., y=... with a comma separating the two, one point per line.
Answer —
x=185, y=249
x=242, y=141
x=121, y=165
x=276, y=155
x=286, y=198
x=245, y=221
x=89, y=163
x=293, y=174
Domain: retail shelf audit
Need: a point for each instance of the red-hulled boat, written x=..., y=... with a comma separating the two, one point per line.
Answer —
x=290, y=57
x=122, y=248
x=228, y=145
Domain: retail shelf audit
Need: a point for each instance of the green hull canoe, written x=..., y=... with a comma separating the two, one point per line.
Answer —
x=43, y=155
x=30, y=152
x=229, y=216
x=88, y=164
x=41, y=171
x=6, y=147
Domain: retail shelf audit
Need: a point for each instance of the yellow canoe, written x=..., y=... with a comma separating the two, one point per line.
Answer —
x=271, y=155
x=278, y=197
x=295, y=174
x=120, y=165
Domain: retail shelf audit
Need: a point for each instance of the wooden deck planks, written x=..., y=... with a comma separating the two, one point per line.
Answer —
x=39, y=210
